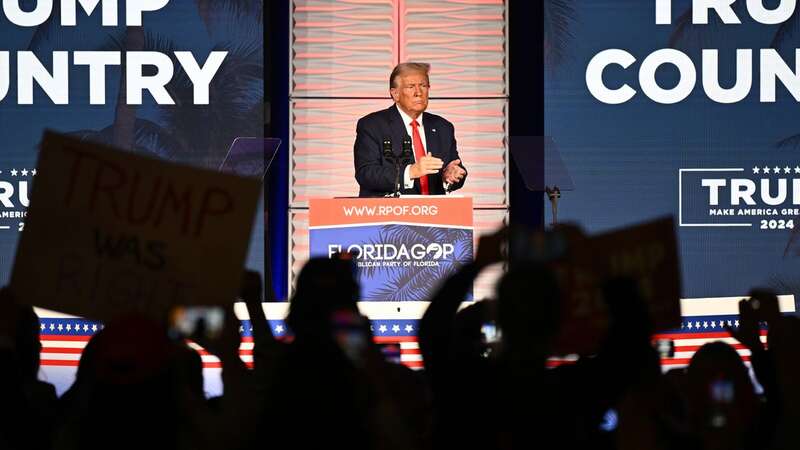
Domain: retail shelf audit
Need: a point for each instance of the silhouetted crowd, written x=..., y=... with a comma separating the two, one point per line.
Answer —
x=330, y=386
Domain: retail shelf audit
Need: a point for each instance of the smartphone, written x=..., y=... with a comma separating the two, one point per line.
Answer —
x=391, y=352
x=722, y=394
x=722, y=391
x=610, y=421
x=349, y=330
x=665, y=348
x=490, y=334
x=186, y=321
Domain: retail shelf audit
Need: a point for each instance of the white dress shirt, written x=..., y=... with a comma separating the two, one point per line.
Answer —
x=408, y=183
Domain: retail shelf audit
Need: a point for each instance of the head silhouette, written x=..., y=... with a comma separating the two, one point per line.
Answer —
x=323, y=286
x=28, y=344
x=720, y=392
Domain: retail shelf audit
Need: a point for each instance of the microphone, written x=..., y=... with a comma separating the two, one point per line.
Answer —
x=406, y=155
x=388, y=154
x=387, y=149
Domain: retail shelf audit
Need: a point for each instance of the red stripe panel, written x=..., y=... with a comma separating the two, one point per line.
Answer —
x=705, y=335
x=58, y=337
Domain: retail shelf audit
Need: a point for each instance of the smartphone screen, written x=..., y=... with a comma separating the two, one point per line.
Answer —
x=391, y=352
x=186, y=321
x=349, y=332
x=722, y=391
x=610, y=421
x=490, y=333
x=665, y=348
x=491, y=336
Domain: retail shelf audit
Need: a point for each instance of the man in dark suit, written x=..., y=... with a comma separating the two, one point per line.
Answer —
x=435, y=167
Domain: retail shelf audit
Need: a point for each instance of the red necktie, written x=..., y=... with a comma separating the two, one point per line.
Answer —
x=419, y=152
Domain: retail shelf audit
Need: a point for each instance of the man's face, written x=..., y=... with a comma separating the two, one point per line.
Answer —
x=411, y=93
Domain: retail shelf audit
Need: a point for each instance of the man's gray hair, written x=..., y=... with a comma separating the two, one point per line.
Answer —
x=406, y=67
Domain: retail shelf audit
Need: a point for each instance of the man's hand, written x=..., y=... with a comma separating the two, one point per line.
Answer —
x=765, y=303
x=427, y=165
x=748, y=332
x=453, y=173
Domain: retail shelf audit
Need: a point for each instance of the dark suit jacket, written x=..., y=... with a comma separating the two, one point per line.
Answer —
x=376, y=175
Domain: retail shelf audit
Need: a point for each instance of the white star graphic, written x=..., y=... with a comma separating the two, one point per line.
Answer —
x=736, y=323
x=42, y=327
x=721, y=323
x=33, y=172
x=756, y=169
x=713, y=324
x=787, y=169
x=796, y=169
x=85, y=327
x=94, y=327
x=697, y=324
x=396, y=328
x=409, y=328
x=766, y=169
x=24, y=172
x=13, y=172
x=69, y=327
x=382, y=328
x=60, y=327
x=705, y=324
x=689, y=326
x=777, y=169
x=279, y=329
x=52, y=327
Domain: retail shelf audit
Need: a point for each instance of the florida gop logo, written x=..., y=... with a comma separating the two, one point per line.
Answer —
x=394, y=255
x=764, y=196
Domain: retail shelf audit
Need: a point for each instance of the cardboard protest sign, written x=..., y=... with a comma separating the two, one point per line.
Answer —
x=647, y=253
x=109, y=231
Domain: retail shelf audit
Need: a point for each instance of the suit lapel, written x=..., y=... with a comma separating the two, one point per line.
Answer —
x=398, y=129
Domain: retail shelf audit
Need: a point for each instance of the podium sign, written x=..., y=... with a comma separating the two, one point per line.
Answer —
x=403, y=247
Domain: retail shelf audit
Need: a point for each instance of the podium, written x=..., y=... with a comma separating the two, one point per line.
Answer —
x=403, y=248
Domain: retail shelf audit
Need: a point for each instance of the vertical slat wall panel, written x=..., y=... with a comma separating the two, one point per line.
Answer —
x=465, y=43
x=323, y=131
x=343, y=48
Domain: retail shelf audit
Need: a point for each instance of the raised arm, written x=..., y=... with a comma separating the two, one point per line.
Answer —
x=436, y=326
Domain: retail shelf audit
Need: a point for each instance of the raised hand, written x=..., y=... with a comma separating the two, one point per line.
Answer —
x=453, y=173
x=427, y=165
x=765, y=303
x=748, y=331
